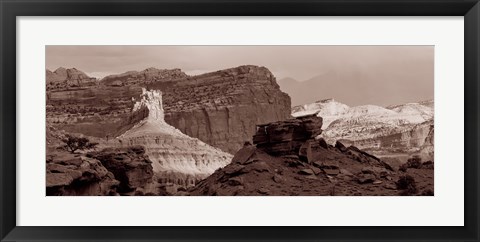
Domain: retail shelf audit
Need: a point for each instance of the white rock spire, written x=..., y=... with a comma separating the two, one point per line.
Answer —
x=152, y=100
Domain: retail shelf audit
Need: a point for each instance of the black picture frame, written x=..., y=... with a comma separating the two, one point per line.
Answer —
x=10, y=9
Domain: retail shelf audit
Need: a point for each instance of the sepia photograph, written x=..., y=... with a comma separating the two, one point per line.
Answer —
x=266, y=120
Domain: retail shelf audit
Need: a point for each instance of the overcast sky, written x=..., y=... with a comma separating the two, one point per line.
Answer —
x=298, y=62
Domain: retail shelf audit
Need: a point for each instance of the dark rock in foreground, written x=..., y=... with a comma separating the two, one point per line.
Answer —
x=129, y=165
x=113, y=171
x=76, y=175
x=286, y=137
x=287, y=161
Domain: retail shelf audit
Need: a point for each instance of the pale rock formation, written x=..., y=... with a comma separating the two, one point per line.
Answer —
x=171, y=151
x=406, y=128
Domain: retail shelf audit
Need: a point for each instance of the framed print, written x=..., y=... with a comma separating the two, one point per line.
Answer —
x=224, y=120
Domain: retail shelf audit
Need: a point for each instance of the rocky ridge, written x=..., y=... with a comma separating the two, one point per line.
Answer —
x=63, y=78
x=395, y=129
x=148, y=75
x=286, y=159
x=220, y=108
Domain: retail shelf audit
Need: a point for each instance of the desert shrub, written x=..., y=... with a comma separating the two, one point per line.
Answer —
x=414, y=162
x=427, y=165
x=73, y=143
x=407, y=184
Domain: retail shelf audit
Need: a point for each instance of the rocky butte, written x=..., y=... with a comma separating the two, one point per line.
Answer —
x=220, y=108
x=176, y=158
x=63, y=78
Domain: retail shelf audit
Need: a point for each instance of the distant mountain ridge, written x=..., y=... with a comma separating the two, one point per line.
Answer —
x=65, y=78
x=355, y=86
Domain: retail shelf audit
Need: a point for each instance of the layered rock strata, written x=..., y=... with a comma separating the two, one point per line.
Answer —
x=398, y=129
x=220, y=108
x=285, y=137
x=146, y=76
x=414, y=138
x=176, y=157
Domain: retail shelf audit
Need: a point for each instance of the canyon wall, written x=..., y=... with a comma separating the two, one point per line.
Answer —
x=223, y=107
x=220, y=108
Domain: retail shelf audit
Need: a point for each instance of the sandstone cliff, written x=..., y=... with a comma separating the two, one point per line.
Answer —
x=222, y=108
x=219, y=108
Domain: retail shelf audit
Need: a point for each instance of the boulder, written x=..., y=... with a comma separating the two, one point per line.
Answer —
x=78, y=176
x=331, y=172
x=306, y=172
x=235, y=181
x=305, y=153
x=340, y=146
x=427, y=165
x=366, y=178
x=263, y=191
x=278, y=178
x=244, y=154
x=322, y=143
x=129, y=165
x=288, y=137
x=312, y=124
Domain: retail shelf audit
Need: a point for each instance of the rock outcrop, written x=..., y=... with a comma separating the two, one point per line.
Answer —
x=176, y=158
x=111, y=171
x=220, y=108
x=289, y=161
x=414, y=138
x=130, y=166
x=63, y=78
x=286, y=137
x=77, y=175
